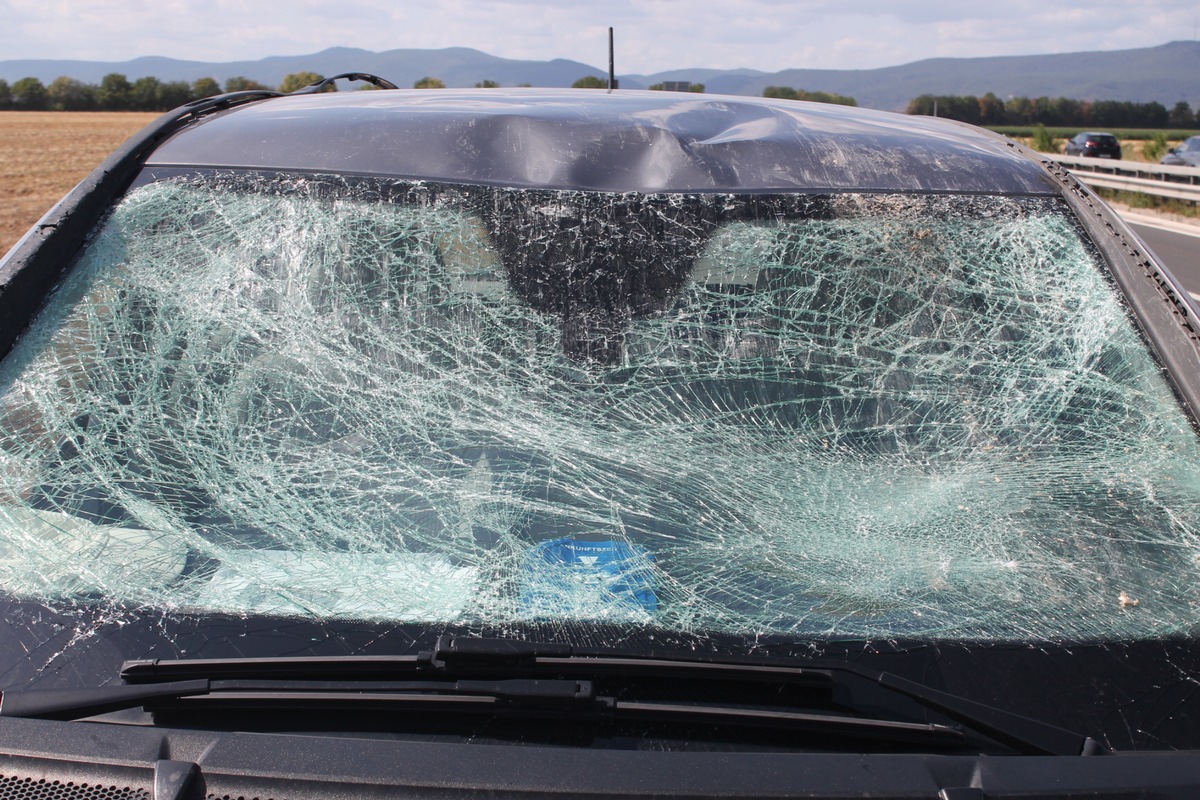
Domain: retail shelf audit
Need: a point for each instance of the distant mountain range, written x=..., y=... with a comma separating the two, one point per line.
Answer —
x=1166, y=73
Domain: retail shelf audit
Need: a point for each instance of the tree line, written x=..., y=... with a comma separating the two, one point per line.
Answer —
x=1053, y=111
x=117, y=93
x=788, y=93
x=114, y=93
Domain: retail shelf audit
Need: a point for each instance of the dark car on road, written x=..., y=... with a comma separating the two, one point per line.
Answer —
x=1093, y=144
x=1186, y=154
x=580, y=443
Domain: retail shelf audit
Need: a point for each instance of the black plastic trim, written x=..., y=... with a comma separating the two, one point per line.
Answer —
x=284, y=767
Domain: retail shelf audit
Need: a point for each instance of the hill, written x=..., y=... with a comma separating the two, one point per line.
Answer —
x=1163, y=73
x=457, y=66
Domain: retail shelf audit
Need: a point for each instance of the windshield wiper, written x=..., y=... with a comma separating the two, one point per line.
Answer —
x=77, y=703
x=1022, y=734
x=487, y=656
x=561, y=699
x=564, y=674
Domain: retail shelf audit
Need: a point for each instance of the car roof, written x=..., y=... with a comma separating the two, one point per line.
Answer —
x=619, y=141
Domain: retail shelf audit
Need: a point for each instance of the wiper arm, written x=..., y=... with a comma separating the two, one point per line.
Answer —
x=76, y=703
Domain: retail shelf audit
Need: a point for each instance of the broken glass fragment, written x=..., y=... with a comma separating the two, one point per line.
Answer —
x=828, y=416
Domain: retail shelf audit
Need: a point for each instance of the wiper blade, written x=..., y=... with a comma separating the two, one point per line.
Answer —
x=469, y=656
x=1022, y=734
x=563, y=699
x=287, y=667
x=76, y=703
x=455, y=655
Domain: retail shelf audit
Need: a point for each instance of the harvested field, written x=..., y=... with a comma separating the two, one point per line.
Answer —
x=45, y=153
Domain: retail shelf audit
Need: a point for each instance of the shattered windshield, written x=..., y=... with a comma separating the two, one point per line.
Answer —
x=835, y=416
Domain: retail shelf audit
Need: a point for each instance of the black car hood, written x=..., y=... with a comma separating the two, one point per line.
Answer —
x=618, y=142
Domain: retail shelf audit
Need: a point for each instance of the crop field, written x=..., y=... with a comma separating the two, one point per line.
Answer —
x=1026, y=131
x=45, y=153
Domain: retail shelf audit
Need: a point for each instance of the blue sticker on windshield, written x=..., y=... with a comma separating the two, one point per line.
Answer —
x=578, y=578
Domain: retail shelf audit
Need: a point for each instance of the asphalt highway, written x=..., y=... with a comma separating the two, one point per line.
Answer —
x=1178, y=248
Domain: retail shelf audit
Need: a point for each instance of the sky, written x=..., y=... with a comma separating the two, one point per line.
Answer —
x=651, y=35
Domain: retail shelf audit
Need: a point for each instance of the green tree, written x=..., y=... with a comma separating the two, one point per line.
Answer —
x=590, y=82
x=1063, y=112
x=1043, y=142
x=298, y=80
x=241, y=84
x=692, y=87
x=205, y=87
x=780, y=92
x=991, y=110
x=788, y=93
x=146, y=94
x=965, y=107
x=921, y=106
x=487, y=84
x=115, y=92
x=68, y=94
x=28, y=94
x=1104, y=112
x=1156, y=148
x=1020, y=111
x=1181, y=115
x=5, y=95
x=173, y=94
x=429, y=82
x=1152, y=115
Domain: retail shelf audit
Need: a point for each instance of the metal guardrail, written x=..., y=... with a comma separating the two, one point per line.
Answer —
x=1159, y=180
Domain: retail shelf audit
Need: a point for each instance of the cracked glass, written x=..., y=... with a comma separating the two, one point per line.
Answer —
x=835, y=416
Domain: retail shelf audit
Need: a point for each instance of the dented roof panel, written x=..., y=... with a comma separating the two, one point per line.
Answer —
x=619, y=142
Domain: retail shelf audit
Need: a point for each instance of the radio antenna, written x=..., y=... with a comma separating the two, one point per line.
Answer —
x=612, y=75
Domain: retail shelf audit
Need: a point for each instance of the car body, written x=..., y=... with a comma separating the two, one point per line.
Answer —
x=604, y=443
x=1093, y=144
x=1187, y=154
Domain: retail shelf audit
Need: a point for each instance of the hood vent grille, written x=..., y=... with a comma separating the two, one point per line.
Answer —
x=29, y=788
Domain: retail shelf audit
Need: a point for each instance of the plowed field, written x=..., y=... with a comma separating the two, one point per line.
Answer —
x=44, y=153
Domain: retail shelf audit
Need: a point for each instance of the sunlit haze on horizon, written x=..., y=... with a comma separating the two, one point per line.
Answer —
x=651, y=36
